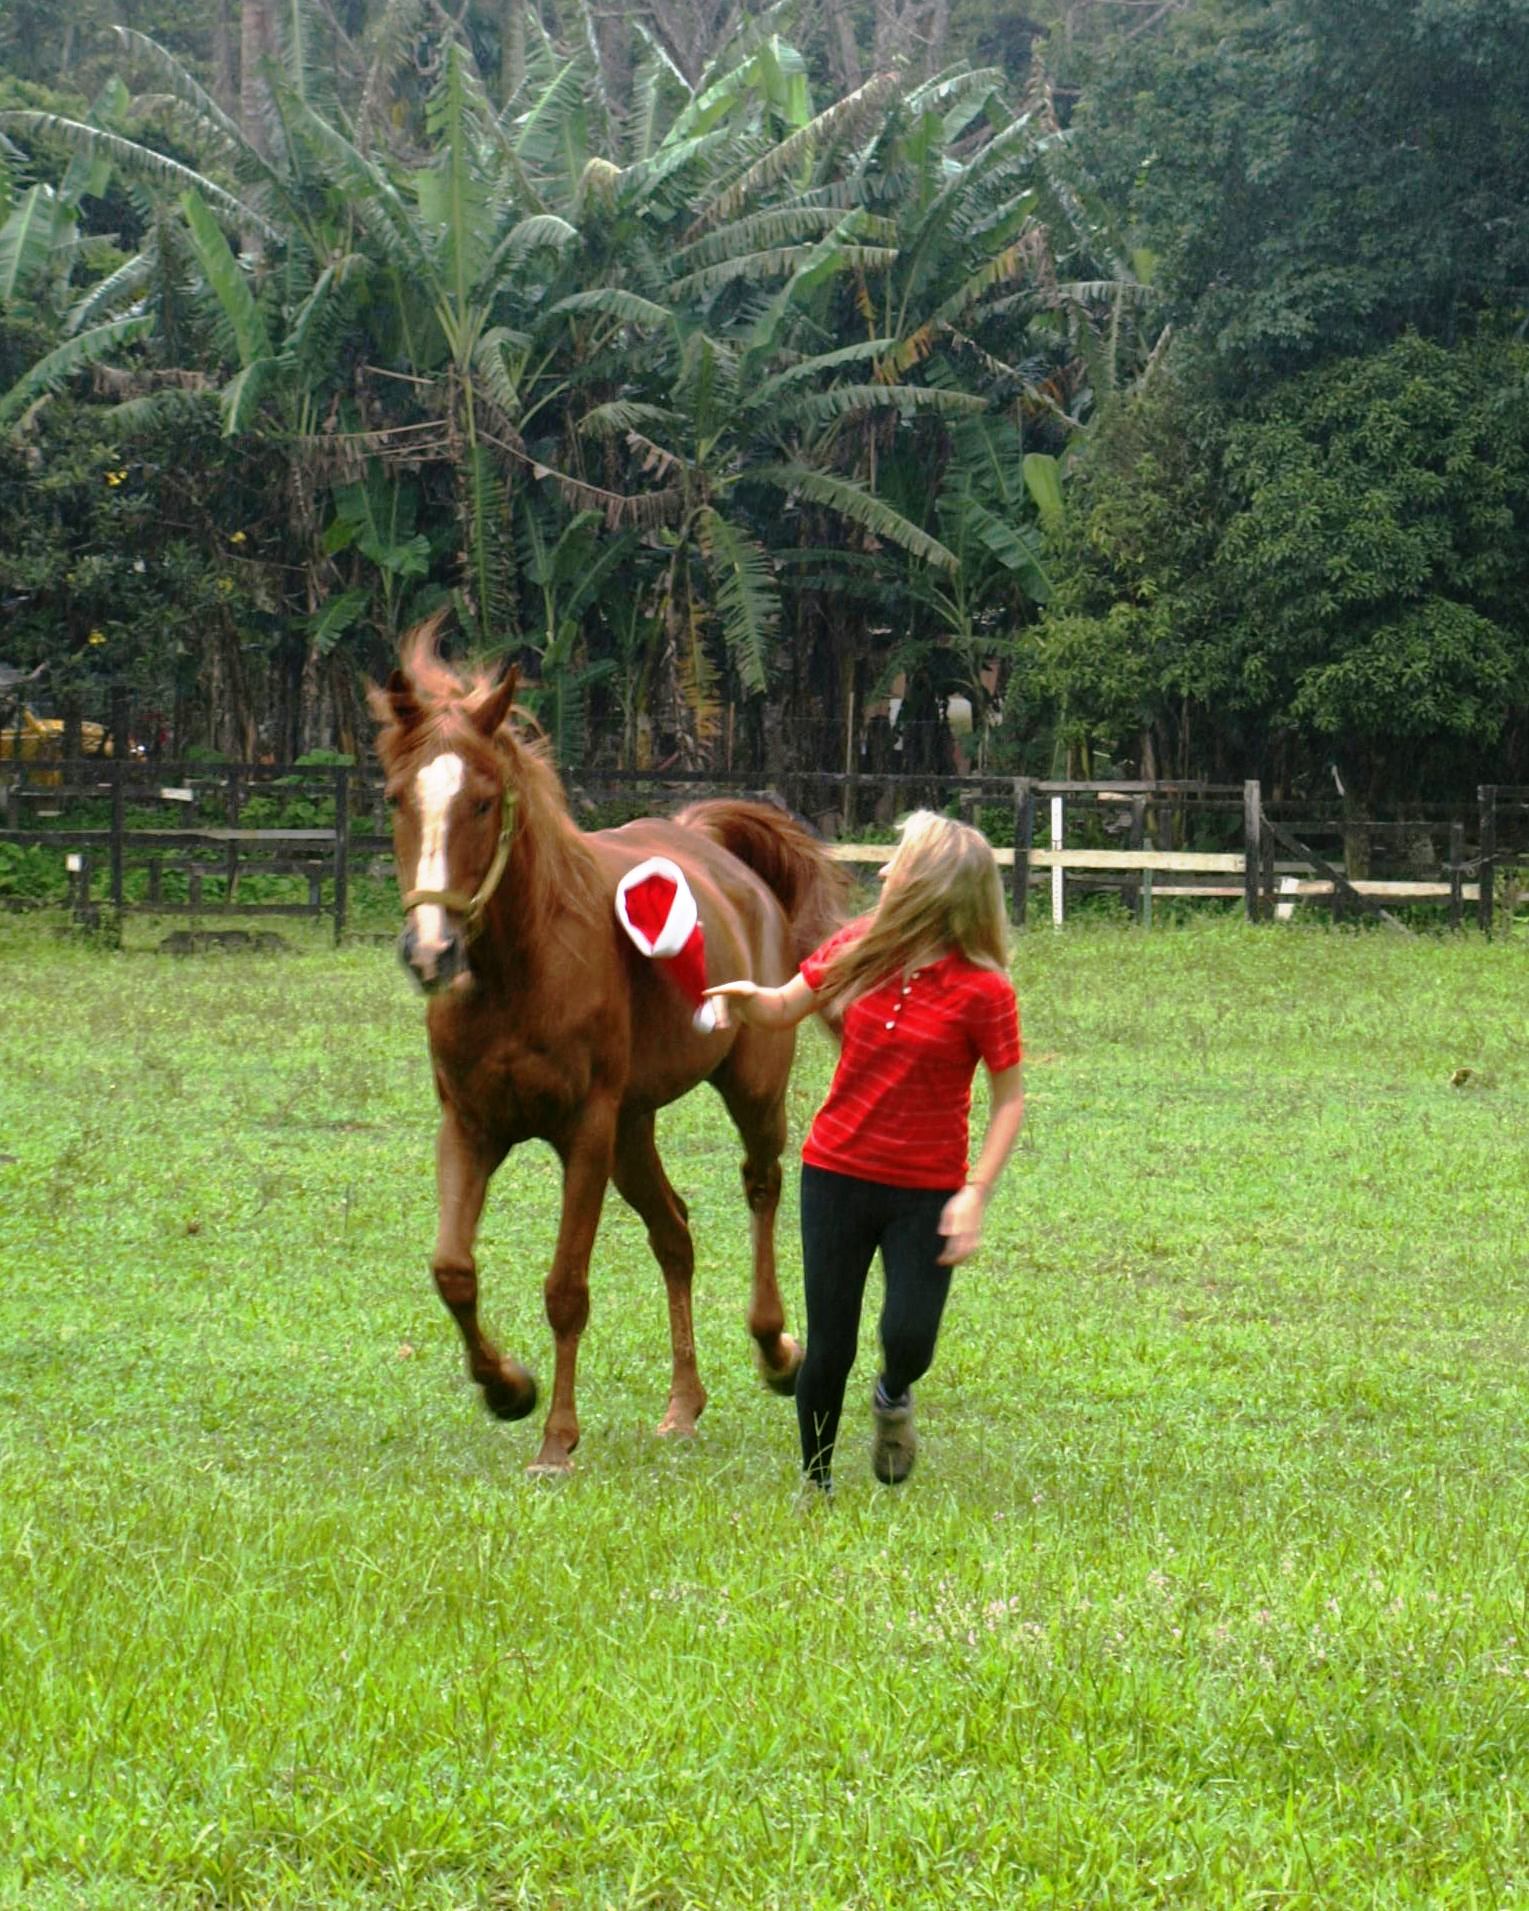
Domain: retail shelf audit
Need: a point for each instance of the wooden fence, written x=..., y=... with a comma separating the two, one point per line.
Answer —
x=1144, y=842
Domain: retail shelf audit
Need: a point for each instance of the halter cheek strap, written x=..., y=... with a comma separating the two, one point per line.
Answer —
x=471, y=908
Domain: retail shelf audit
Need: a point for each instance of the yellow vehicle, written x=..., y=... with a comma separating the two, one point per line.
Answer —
x=26, y=738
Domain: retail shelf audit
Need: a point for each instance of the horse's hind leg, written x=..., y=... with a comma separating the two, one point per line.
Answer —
x=643, y=1185
x=463, y=1164
x=758, y=1109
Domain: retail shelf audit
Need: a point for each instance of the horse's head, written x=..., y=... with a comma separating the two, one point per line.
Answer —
x=452, y=789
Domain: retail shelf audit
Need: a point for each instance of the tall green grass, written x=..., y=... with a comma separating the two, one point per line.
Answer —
x=1209, y=1589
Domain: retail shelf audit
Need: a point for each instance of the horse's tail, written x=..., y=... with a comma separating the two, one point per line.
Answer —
x=794, y=865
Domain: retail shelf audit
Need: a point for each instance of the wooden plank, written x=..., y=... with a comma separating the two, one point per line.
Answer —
x=1342, y=888
x=1173, y=861
x=1397, y=891
x=1185, y=862
x=1058, y=869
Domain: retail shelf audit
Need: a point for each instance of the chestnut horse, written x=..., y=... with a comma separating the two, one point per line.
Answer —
x=545, y=1022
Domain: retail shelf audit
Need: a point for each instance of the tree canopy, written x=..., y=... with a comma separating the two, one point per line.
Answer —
x=1149, y=376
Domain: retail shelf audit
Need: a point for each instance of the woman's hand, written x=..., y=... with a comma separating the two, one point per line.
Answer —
x=961, y=1224
x=735, y=1001
x=745, y=1004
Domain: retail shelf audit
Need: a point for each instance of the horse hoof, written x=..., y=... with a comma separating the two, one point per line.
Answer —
x=512, y=1396
x=554, y=1467
x=677, y=1426
x=782, y=1380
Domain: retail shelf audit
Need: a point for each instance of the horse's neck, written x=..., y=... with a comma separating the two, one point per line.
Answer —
x=551, y=893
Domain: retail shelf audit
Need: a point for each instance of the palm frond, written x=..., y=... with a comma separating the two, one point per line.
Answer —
x=847, y=401
x=852, y=501
x=622, y=415
x=746, y=595
x=808, y=368
x=839, y=119
x=123, y=285
x=228, y=283
x=74, y=355
x=160, y=410
x=26, y=242
x=140, y=161
x=318, y=324
x=374, y=196
x=206, y=116
x=758, y=266
x=241, y=396
x=614, y=301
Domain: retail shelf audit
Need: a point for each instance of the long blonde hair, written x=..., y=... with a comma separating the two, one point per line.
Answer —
x=941, y=891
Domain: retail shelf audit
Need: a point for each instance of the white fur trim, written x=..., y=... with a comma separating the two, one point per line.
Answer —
x=705, y=1018
x=683, y=913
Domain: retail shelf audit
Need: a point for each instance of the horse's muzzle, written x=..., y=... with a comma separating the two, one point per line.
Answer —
x=434, y=965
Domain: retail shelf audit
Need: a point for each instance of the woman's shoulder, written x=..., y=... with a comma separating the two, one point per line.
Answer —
x=850, y=931
x=813, y=966
x=981, y=979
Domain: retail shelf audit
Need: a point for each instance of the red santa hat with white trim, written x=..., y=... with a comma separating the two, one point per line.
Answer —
x=657, y=908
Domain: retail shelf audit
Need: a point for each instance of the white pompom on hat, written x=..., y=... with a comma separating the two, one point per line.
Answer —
x=657, y=909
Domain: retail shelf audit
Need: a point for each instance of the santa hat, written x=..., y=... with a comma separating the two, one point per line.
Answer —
x=655, y=906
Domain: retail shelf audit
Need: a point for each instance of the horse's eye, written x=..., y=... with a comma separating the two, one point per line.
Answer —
x=483, y=808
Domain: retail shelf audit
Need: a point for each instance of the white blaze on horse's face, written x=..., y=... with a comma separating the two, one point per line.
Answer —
x=437, y=785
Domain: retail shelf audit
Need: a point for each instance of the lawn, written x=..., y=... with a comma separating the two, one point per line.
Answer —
x=1210, y=1588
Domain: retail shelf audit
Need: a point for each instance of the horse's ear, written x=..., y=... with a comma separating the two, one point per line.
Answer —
x=495, y=707
x=396, y=702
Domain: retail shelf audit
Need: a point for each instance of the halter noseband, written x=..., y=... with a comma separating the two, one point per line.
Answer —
x=471, y=908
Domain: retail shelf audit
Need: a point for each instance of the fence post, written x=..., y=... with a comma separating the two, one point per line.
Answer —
x=1486, y=798
x=341, y=848
x=1132, y=890
x=118, y=830
x=1252, y=846
x=233, y=809
x=1058, y=874
x=1024, y=832
x=1456, y=874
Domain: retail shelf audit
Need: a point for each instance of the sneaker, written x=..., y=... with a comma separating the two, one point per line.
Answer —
x=894, y=1446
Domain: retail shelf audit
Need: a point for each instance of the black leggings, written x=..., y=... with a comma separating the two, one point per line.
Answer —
x=844, y=1221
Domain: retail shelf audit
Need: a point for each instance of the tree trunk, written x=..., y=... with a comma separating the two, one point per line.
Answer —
x=843, y=48
x=512, y=48
x=257, y=42
x=223, y=89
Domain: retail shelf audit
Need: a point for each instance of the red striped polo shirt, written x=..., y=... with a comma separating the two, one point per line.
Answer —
x=898, y=1109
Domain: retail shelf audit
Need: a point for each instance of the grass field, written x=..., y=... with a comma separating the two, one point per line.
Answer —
x=1211, y=1587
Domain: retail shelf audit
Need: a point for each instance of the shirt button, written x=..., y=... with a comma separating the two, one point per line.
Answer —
x=891, y=1025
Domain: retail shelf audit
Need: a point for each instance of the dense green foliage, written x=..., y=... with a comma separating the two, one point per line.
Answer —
x=626, y=411
x=1209, y=1589
x=1342, y=564
x=731, y=364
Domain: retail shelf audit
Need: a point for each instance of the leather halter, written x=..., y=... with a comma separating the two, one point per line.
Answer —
x=471, y=908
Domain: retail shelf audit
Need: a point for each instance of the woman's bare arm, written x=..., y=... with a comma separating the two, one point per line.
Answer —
x=748, y=1004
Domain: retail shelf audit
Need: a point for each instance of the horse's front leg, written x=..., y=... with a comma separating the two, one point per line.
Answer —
x=464, y=1161
x=754, y=1091
x=586, y=1154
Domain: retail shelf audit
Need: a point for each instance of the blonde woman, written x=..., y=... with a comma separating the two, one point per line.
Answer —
x=923, y=989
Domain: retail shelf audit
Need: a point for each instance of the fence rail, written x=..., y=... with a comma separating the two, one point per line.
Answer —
x=1124, y=837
